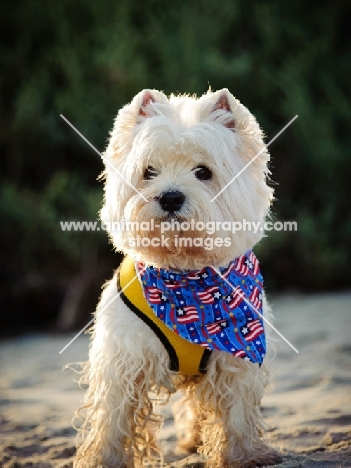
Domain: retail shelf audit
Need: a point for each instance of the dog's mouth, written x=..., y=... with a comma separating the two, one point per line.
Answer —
x=174, y=222
x=170, y=217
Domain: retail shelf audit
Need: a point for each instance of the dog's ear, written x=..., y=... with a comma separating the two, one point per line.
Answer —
x=145, y=100
x=148, y=103
x=223, y=109
x=147, y=97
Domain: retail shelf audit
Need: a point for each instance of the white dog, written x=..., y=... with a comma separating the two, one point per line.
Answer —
x=184, y=311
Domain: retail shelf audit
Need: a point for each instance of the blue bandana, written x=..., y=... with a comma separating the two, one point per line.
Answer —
x=205, y=309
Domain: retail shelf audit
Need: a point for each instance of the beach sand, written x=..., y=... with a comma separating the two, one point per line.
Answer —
x=307, y=407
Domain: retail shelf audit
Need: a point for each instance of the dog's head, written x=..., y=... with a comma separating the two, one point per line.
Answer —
x=166, y=162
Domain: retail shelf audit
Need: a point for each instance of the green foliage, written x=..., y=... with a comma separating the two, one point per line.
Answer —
x=85, y=59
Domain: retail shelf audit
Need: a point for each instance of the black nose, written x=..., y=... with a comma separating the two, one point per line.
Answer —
x=171, y=201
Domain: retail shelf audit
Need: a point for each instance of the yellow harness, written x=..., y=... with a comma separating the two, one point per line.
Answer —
x=185, y=357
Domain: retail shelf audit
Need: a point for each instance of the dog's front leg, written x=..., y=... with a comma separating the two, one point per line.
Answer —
x=105, y=438
x=231, y=428
x=126, y=362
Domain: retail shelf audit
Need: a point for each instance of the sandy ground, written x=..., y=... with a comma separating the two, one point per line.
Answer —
x=307, y=407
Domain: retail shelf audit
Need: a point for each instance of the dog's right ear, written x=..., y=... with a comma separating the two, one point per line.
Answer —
x=148, y=103
x=145, y=101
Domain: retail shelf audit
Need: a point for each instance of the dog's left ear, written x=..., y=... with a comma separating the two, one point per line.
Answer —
x=222, y=104
x=218, y=107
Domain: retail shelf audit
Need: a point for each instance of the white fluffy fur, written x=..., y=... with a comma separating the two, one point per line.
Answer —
x=128, y=366
x=178, y=135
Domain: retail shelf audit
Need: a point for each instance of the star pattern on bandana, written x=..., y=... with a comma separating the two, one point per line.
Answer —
x=204, y=309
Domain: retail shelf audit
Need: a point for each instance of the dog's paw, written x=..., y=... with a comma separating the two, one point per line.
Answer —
x=187, y=447
x=263, y=459
x=266, y=458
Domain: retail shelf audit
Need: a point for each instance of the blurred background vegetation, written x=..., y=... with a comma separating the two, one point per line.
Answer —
x=86, y=59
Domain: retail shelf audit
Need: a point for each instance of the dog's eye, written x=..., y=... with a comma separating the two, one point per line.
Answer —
x=149, y=173
x=203, y=173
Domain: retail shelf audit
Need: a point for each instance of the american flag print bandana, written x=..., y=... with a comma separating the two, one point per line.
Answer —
x=203, y=308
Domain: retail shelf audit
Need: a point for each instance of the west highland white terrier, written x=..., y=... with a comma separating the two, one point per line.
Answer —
x=185, y=310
